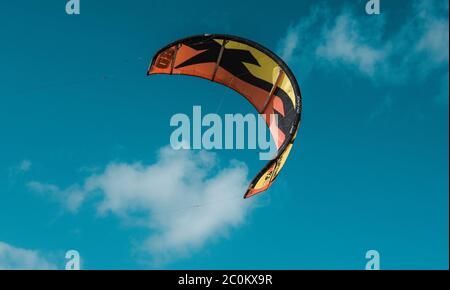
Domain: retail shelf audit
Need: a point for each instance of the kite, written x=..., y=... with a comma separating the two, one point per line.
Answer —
x=251, y=70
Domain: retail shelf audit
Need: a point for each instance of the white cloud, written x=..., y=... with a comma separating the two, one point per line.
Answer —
x=183, y=200
x=366, y=46
x=289, y=44
x=345, y=43
x=324, y=38
x=432, y=24
x=300, y=41
x=434, y=40
x=71, y=198
x=13, y=258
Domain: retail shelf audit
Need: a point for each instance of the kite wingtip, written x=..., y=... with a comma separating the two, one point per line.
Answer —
x=250, y=193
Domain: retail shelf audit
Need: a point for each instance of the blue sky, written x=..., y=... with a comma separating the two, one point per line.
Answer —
x=84, y=134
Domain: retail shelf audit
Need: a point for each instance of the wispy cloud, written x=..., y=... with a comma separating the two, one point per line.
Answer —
x=24, y=166
x=299, y=43
x=350, y=42
x=14, y=258
x=431, y=25
x=184, y=199
x=19, y=170
x=71, y=198
x=364, y=45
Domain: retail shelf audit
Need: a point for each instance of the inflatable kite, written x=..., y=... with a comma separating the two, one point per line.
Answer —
x=254, y=72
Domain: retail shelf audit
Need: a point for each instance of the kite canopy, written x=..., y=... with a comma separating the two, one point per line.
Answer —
x=253, y=71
